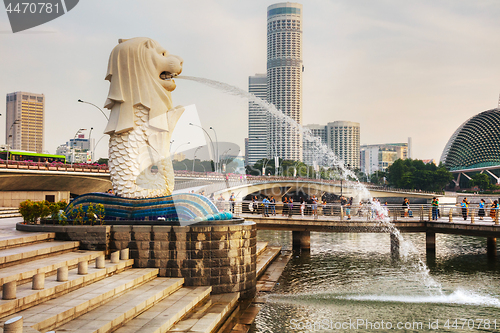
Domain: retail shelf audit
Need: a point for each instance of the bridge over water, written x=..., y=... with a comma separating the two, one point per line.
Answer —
x=302, y=226
x=84, y=179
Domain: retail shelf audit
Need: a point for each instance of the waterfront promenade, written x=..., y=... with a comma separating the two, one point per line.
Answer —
x=302, y=226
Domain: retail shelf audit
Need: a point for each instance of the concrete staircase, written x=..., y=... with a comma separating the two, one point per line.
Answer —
x=81, y=292
x=6, y=212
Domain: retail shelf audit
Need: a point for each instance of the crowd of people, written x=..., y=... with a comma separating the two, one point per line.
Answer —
x=466, y=207
x=346, y=206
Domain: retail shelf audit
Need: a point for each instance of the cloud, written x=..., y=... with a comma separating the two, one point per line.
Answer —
x=399, y=68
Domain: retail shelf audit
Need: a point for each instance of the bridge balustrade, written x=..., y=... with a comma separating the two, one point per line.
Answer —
x=366, y=212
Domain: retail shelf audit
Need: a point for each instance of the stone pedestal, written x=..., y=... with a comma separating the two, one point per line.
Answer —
x=115, y=257
x=124, y=254
x=14, y=325
x=219, y=255
x=491, y=246
x=9, y=290
x=83, y=267
x=301, y=240
x=430, y=243
x=99, y=262
x=38, y=281
x=62, y=274
x=394, y=246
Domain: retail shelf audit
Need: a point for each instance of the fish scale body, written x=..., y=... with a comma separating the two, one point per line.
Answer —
x=140, y=165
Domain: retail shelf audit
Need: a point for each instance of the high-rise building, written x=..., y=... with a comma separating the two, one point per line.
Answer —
x=284, y=78
x=309, y=148
x=258, y=124
x=24, y=122
x=77, y=150
x=379, y=157
x=343, y=140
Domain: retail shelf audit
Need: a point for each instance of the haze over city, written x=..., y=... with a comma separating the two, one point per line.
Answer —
x=399, y=69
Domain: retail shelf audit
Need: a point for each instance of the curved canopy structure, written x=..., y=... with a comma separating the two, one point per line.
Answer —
x=475, y=144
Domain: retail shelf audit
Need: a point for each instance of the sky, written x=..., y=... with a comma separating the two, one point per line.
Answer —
x=400, y=68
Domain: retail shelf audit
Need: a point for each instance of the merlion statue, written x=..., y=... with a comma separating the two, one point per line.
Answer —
x=142, y=118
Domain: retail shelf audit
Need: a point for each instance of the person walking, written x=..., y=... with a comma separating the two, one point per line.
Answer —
x=273, y=206
x=406, y=206
x=265, y=202
x=232, y=199
x=481, y=213
x=284, y=211
x=464, y=206
x=314, y=205
x=348, y=208
x=220, y=203
x=435, y=205
x=494, y=210
x=302, y=206
x=253, y=205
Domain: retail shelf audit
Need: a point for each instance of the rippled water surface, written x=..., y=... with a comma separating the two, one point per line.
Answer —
x=351, y=278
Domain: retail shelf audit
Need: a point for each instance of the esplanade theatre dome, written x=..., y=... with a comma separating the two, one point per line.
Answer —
x=475, y=144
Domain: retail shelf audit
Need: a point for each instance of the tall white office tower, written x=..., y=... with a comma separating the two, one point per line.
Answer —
x=310, y=151
x=284, y=78
x=258, y=120
x=24, y=122
x=343, y=140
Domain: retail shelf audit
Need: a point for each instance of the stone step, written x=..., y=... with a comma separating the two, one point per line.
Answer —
x=21, y=239
x=12, y=256
x=208, y=317
x=162, y=316
x=8, y=208
x=266, y=258
x=27, y=297
x=4, y=216
x=109, y=317
x=261, y=247
x=23, y=273
x=56, y=312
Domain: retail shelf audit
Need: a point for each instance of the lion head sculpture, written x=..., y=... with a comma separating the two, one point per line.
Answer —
x=141, y=74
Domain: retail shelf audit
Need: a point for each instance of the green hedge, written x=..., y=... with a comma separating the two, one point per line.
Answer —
x=34, y=210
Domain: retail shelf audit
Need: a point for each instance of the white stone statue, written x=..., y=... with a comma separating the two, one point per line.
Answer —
x=142, y=118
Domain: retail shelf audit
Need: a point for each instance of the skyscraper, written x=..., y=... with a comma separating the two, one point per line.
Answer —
x=257, y=120
x=343, y=140
x=284, y=77
x=380, y=157
x=309, y=149
x=25, y=121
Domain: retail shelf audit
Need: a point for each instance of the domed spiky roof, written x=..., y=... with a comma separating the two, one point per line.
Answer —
x=475, y=144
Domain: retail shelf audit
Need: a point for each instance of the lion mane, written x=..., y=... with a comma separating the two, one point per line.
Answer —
x=132, y=85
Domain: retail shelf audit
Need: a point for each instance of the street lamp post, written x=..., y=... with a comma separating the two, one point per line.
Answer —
x=93, y=149
x=96, y=107
x=176, y=149
x=217, y=149
x=10, y=136
x=212, y=143
x=90, y=146
x=194, y=156
x=73, y=145
x=264, y=166
x=224, y=153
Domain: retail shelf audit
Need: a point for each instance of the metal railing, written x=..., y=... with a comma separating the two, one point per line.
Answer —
x=363, y=212
x=46, y=166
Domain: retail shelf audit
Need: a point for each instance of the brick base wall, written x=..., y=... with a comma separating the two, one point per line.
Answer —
x=222, y=256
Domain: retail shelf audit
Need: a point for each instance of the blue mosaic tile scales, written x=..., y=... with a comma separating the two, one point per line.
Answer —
x=177, y=207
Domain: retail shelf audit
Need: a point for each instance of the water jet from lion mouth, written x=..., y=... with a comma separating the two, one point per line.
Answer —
x=167, y=76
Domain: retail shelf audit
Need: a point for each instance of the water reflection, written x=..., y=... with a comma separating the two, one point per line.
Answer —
x=352, y=276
